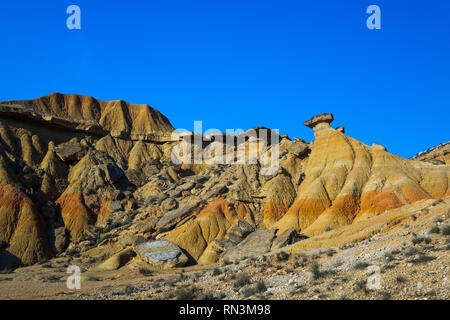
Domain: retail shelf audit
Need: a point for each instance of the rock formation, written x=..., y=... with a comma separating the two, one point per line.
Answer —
x=97, y=178
x=437, y=155
x=346, y=180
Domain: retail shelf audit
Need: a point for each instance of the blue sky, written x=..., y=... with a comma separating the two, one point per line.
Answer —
x=241, y=64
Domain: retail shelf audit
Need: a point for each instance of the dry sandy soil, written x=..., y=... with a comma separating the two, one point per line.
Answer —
x=406, y=249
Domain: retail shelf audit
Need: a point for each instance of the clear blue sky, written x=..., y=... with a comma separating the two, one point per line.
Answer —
x=240, y=64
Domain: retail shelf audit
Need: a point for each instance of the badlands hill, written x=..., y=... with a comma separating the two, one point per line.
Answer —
x=95, y=179
x=438, y=155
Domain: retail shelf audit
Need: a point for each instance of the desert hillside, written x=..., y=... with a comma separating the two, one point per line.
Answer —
x=94, y=182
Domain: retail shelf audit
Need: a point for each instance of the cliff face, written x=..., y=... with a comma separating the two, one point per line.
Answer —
x=88, y=174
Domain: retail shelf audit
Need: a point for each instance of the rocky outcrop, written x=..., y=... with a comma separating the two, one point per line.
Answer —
x=80, y=174
x=48, y=156
x=22, y=229
x=162, y=254
x=117, y=261
x=318, y=119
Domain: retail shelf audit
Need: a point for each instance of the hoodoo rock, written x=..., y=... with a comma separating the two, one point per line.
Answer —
x=320, y=118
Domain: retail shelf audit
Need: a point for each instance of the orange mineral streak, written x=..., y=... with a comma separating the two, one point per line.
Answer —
x=22, y=227
x=76, y=215
x=279, y=194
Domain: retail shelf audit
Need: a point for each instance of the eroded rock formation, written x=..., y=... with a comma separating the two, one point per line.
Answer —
x=97, y=178
x=346, y=180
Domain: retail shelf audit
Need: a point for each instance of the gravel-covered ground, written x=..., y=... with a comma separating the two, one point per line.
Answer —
x=411, y=261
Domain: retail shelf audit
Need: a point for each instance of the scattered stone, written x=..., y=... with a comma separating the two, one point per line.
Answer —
x=239, y=231
x=169, y=204
x=3, y=244
x=129, y=240
x=216, y=191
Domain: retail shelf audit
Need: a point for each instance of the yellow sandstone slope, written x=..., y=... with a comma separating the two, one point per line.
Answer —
x=72, y=162
x=347, y=181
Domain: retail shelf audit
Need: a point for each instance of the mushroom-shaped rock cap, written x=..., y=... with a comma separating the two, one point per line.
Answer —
x=323, y=117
